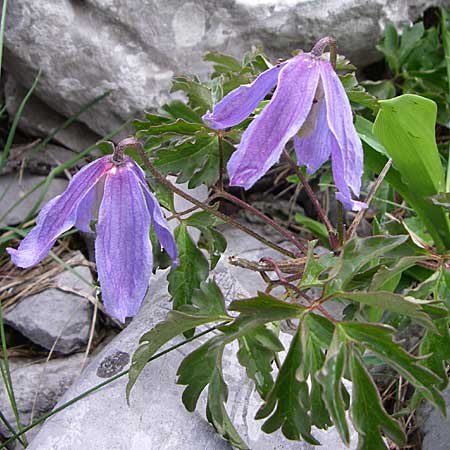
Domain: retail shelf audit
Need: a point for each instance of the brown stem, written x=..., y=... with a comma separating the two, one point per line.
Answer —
x=161, y=179
x=332, y=236
x=262, y=216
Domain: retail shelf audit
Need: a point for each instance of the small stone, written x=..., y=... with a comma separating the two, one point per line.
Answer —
x=56, y=318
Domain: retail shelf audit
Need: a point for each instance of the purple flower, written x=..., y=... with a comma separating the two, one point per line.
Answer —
x=116, y=190
x=309, y=104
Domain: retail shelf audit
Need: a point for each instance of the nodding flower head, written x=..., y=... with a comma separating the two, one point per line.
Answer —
x=113, y=191
x=310, y=105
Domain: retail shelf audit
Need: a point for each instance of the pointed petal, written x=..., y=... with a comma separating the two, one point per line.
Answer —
x=58, y=216
x=264, y=140
x=314, y=149
x=340, y=121
x=240, y=103
x=343, y=194
x=158, y=219
x=122, y=249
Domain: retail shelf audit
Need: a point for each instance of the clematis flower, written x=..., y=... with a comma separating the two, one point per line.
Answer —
x=309, y=105
x=113, y=190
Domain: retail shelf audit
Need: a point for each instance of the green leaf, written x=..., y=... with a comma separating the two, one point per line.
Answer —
x=179, y=110
x=357, y=253
x=313, y=268
x=228, y=62
x=192, y=270
x=208, y=306
x=379, y=340
x=406, y=127
x=318, y=229
x=264, y=307
x=368, y=415
x=407, y=306
x=330, y=377
x=198, y=94
x=180, y=126
x=389, y=47
x=409, y=40
x=289, y=397
x=257, y=350
x=435, y=347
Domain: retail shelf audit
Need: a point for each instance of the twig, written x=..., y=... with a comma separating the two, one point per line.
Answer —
x=360, y=215
x=291, y=266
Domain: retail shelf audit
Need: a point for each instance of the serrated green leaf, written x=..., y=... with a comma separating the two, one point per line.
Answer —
x=208, y=306
x=357, y=253
x=313, y=268
x=267, y=308
x=379, y=340
x=198, y=94
x=192, y=270
x=436, y=348
x=179, y=110
x=368, y=415
x=407, y=306
x=288, y=402
x=330, y=377
x=256, y=353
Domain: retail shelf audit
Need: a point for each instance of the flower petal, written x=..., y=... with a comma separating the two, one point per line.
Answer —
x=340, y=121
x=344, y=195
x=314, y=149
x=122, y=249
x=158, y=219
x=263, y=141
x=240, y=103
x=58, y=215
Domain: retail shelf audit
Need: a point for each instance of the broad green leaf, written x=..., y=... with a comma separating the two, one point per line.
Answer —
x=321, y=328
x=379, y=340
x=227, y=61
x=407, y=306
x=208, y=306
x=330, y=377
x=409, y=40
x=257, y=350
x=367, y=412
x=406, y=127
x=389, y=47
x=288, y=401
x=192, y=270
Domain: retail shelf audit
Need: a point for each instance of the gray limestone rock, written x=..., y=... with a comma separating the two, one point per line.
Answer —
x=57, y=317
x=134, y=48
x=434, y=427
x=38, y=119
x=13, y=187
x=156, y=418
x=38, y=385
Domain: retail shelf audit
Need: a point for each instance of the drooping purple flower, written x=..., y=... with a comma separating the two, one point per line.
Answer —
x=114, y=191
x=309, y=104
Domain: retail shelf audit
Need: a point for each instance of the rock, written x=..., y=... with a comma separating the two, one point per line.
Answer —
x=156, y=418
x=40, y=383
x=434, y=427
x=38, y=119
x=134, y=48
x=57, y=317
x=12, y=187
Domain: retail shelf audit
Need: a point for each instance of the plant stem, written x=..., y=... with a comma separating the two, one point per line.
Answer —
x=283, y=231
x=220, y=182
x=332, y=236
x=160, y=178
x=104, y=383
x=7, y=377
